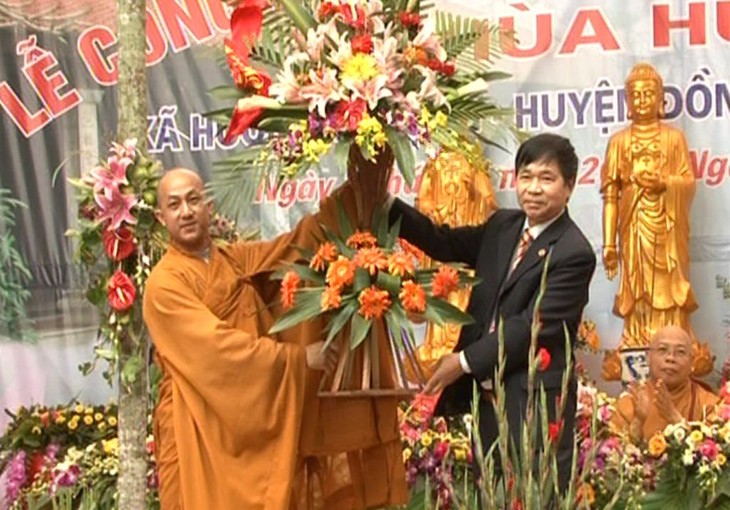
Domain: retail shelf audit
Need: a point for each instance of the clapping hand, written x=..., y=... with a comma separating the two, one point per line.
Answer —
x=664, y=404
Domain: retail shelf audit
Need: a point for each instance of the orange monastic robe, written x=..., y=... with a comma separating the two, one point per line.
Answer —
x=228, y=425
x=693, y=402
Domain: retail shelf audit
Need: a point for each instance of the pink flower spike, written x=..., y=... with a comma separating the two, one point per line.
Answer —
x=116, y=208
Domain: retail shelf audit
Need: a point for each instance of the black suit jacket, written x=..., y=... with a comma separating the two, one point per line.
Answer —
x=489, y=248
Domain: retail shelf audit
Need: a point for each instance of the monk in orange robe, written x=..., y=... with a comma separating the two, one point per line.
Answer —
x=670, y=395
x=238, y=424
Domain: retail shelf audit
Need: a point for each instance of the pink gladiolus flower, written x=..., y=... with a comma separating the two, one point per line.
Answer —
x=117, y=208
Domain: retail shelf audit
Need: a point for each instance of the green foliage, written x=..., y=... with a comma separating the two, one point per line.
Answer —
x=14, y=274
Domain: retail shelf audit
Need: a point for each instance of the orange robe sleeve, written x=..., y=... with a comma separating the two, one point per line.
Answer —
x=234, y=401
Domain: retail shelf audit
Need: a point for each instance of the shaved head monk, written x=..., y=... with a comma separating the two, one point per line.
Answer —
x=670, y=395
x=238, y=424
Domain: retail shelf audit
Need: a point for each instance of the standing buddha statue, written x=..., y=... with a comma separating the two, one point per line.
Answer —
x=647, y=187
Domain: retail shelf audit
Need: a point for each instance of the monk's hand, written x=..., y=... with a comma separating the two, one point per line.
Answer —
x=447, y=371
x=610, y=261
x=664, y=403
x=642, y=400
x=316, y=356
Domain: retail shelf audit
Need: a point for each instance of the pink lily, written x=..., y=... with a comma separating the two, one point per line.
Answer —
x=109, y=178
x=117, y=208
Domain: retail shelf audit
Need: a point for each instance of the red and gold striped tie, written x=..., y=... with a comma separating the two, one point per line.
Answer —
x=525, y=241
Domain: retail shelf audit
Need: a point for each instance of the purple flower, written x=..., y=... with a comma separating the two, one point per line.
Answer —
x=17, y=476
x=66, y=477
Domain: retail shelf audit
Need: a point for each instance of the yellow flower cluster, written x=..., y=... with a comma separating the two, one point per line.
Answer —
x=431, y=121
x=370, y=135
x=313, y=149
x=360, y=67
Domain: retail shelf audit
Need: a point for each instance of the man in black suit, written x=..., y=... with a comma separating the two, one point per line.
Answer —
x=508, y=253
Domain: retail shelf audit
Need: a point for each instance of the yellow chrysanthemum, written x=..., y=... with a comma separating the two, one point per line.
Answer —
x=111, y=446
x=60, y=419
x=426, y=440
x=73, y=424
x=36, y=430
x=112, y=420
x=89, y=410
x=98, y=417
x=88, y=419
x=720, y=460
x=79, y=409
x=360, y=66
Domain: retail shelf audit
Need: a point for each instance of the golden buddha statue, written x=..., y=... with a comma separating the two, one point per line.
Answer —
x=647, y=187
x=457, y=192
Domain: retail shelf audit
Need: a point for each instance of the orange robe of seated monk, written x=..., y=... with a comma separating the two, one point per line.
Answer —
x=694, y=402
x=239, y=424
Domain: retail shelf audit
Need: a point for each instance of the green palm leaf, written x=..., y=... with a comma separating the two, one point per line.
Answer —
x=235, y=180
x=457, y=32
x=308, y=306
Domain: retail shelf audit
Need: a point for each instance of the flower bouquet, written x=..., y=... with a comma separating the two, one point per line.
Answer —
x=320, y=76
x=119, y=241
x=360, y=280
x=365, y=82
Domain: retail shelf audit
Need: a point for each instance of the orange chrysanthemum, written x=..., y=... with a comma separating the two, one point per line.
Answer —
x=413, y=297
x=400, y=264
x=331, y=298
x=373, y=302
x=371, y=259
x=411, y=250
x=445, y=281
x=340, y=273
x=327, y=252
x=289, y=285
x=361, y=239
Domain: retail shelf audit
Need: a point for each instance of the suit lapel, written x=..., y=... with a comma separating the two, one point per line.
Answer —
x=539, y=249
x=508, y=238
